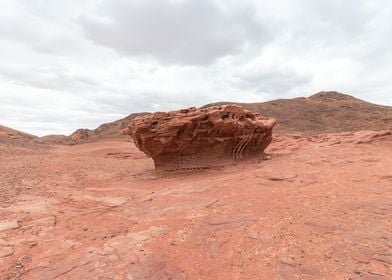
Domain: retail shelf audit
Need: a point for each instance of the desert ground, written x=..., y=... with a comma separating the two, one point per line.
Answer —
x=315, y=207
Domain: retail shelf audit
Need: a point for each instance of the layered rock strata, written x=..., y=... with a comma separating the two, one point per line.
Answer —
x=201, y=138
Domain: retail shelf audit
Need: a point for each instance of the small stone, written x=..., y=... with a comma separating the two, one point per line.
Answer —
x=360, y=257
x=69, y=244
x=133, y=259
x=32, y=244
x=90, y=249
x=8, y=225
x=113, y=258
x=376, y=273
x=289, y=260
x=6, y=251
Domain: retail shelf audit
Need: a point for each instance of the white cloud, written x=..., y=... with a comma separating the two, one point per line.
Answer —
x=72, y=64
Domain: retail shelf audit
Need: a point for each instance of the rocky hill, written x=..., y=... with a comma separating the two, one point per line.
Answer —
x=106, y=130
x=11, y=135
x=324, y=112
x=14, y=134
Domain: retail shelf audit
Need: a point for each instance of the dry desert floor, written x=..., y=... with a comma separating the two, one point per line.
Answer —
x=316, y=208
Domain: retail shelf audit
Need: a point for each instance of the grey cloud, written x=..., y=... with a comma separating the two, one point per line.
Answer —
x=183, y=32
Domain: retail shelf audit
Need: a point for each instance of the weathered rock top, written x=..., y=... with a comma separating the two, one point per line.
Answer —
x=201, y=138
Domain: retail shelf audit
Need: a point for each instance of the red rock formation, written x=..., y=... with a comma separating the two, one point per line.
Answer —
x=201, y=138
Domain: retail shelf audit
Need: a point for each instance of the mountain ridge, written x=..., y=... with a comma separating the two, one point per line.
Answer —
x=322, y=112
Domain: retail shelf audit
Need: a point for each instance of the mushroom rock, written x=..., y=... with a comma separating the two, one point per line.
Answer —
x=201, y=138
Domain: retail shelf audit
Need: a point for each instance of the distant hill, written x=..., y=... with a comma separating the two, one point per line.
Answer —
x=8, y=134
x=112, y=129
x=324, y=112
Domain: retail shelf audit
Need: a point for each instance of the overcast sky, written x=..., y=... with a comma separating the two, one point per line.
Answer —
x=79, y=63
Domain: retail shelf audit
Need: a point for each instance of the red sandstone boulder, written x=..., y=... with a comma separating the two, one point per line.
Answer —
x=201, y=138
